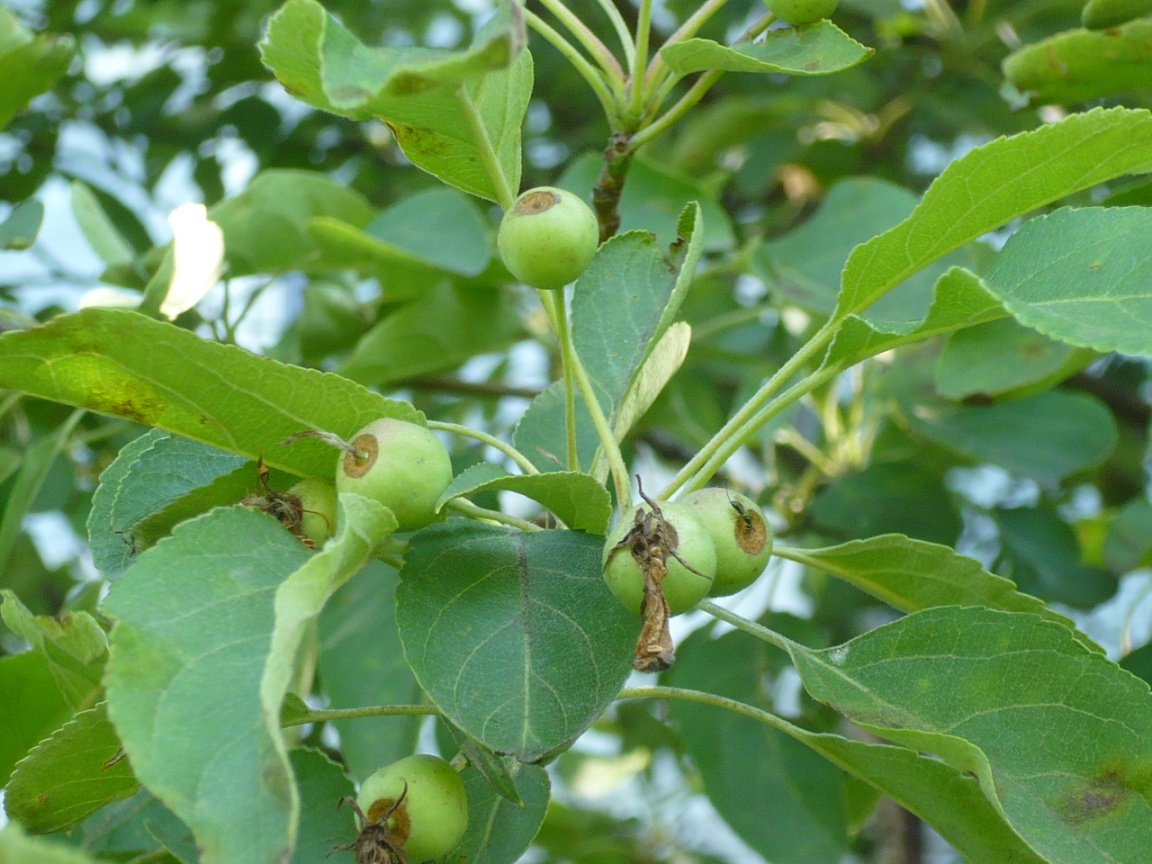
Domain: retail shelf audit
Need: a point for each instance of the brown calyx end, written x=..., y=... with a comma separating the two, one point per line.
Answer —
x=750, y=531
x=536, y=202
x=394, y=815
x=362, y=456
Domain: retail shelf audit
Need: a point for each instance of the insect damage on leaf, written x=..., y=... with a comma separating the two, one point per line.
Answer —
x=651, y=541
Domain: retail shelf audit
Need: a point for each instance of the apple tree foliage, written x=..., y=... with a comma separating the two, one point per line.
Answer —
x=888, y=274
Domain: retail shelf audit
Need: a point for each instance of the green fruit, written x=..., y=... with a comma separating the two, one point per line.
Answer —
x=740, y=533
x=318, y=505
x=430, y=820
x=683, y=589
x=399, y=464
x=801, y=12
x=548, y=237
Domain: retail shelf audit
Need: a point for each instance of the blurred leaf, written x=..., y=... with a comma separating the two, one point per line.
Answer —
x=582, y=503
x=20, y=227
x=322, y=784
x=1010, y=698
x=887, y=499
x=456, y=114
x=74, y=645
x=1010, y=177
x=1046, y=437
x=499, y=831
x=137, y=825
x=147, y=475
x=361, y=662
x=15, y=846
x=1129, y=540
x=105, y=240
x=192, y=638
x=1081, y=65
x=513, y=635
x=1001, y=356
x=70, y=775
x=37, y=462
x=29, y=64
x=783, y=799
x=122, y=363
x=1139, y=662
x=31, y=709
x=439, y=330
x=1080, y=276
x=1040, y=552
x=911, y=575
x=819, y=49
x=1100, y=14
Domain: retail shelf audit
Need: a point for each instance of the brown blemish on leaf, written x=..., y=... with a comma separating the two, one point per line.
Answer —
x=1098, y=796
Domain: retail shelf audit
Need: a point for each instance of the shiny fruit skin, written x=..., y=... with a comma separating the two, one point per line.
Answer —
x=436, y=805
x=318, y=502
x=548, y=238
x=801, y=12
x=683, y=589
x=740, y=533
x=403, y=466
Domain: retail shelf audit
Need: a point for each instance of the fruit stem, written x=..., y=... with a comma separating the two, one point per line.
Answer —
x=559, y=314
x=463, y=505
x=603, y=429
x=585, y=37
x=331, y=439
x=586, y=70
x=621, y=27
x=491, y=440
x=326, y=715
x=637, y=82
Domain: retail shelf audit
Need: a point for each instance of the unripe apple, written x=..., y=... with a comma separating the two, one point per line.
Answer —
x=683, y=589
x=740, y=533
x=317, y=508
x=403, y=466
x=548, y=237
x=430, y=820
x=801, y=12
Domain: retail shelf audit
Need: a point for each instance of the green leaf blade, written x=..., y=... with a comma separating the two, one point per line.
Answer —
x=514, y=636
x=820, y=49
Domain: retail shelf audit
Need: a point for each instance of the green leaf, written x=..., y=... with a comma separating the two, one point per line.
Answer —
x=1081, y=65
x=360, y=526
x=582, y=503
x=911, y=575
x=15, y=846
x=494, y=768
x=1046, y=437
x=31, y=709
x=104, y=238
x=627, y=299
x=1041, y=552
x=783, y=799
x=38, y=460
x=147, y=475
x=664, y=361
x=361, y=662
x=1012, y=699
x=18, y=231
x=128, y=365
x=70, y=775
x=456, y=114
x=499, y=831
x=74, y=645
x=137, y=825
x=1099, y=14
x=29, y=64
x=438, y=330
x=993, y=184
x=1002, y=356
x=412, y=243
x=820, y=49
x=266, y=226
x=1080, y=276
x=514, y=636
x=960, y=300
x=322, y=784
x=540, y=433
x=188, y=655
